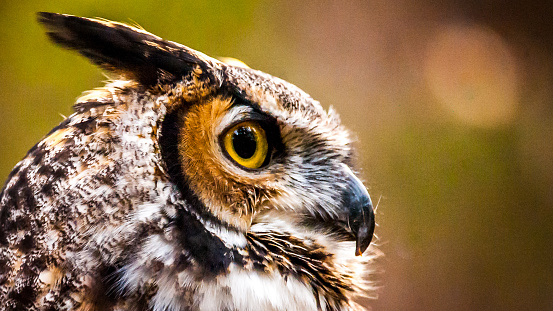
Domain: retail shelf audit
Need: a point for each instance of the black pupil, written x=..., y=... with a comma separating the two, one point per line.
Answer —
x=243, y=141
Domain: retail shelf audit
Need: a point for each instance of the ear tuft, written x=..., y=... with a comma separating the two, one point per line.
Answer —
x=125, y=50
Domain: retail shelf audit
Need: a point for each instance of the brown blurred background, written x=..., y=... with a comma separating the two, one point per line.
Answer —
x=452, y=103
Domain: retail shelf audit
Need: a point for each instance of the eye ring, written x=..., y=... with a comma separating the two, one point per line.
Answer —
x=246, y=144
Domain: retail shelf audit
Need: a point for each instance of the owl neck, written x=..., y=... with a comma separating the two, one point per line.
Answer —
x=213, y=228
x=206, y=248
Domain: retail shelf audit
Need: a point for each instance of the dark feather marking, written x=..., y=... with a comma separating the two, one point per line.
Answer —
x=63, y=157
x=293, y=257
x=207, y=249
x=4, y=214
x=4, y=268
x=26, y=243
x=24, y=292
x=22, y=295
x=29, y=199
x=37, y=154
x=121, y=48
x=87, y=126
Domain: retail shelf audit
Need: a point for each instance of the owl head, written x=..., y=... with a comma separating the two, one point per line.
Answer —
x=185, y=165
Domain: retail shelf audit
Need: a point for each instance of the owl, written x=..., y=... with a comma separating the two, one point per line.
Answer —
x=185, y=183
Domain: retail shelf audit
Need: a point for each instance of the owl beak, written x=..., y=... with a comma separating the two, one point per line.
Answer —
x=360, y=214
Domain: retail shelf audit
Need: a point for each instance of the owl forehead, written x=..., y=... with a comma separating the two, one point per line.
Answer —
x=272, y=94
x=295, y=110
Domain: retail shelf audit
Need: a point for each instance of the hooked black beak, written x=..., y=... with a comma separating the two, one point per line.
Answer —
x=360, y=219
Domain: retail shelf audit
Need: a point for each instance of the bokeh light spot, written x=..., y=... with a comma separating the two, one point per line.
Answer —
x=472, y=72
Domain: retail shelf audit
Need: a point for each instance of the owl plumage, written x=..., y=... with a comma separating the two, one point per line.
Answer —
x=184, y=184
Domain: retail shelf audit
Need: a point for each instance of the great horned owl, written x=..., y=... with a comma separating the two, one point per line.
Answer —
x=184, y=184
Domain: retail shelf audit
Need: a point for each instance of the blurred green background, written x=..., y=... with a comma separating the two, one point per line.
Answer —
x=452, y=103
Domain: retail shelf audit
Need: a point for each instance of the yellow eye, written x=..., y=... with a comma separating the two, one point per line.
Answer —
x=246, y=143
